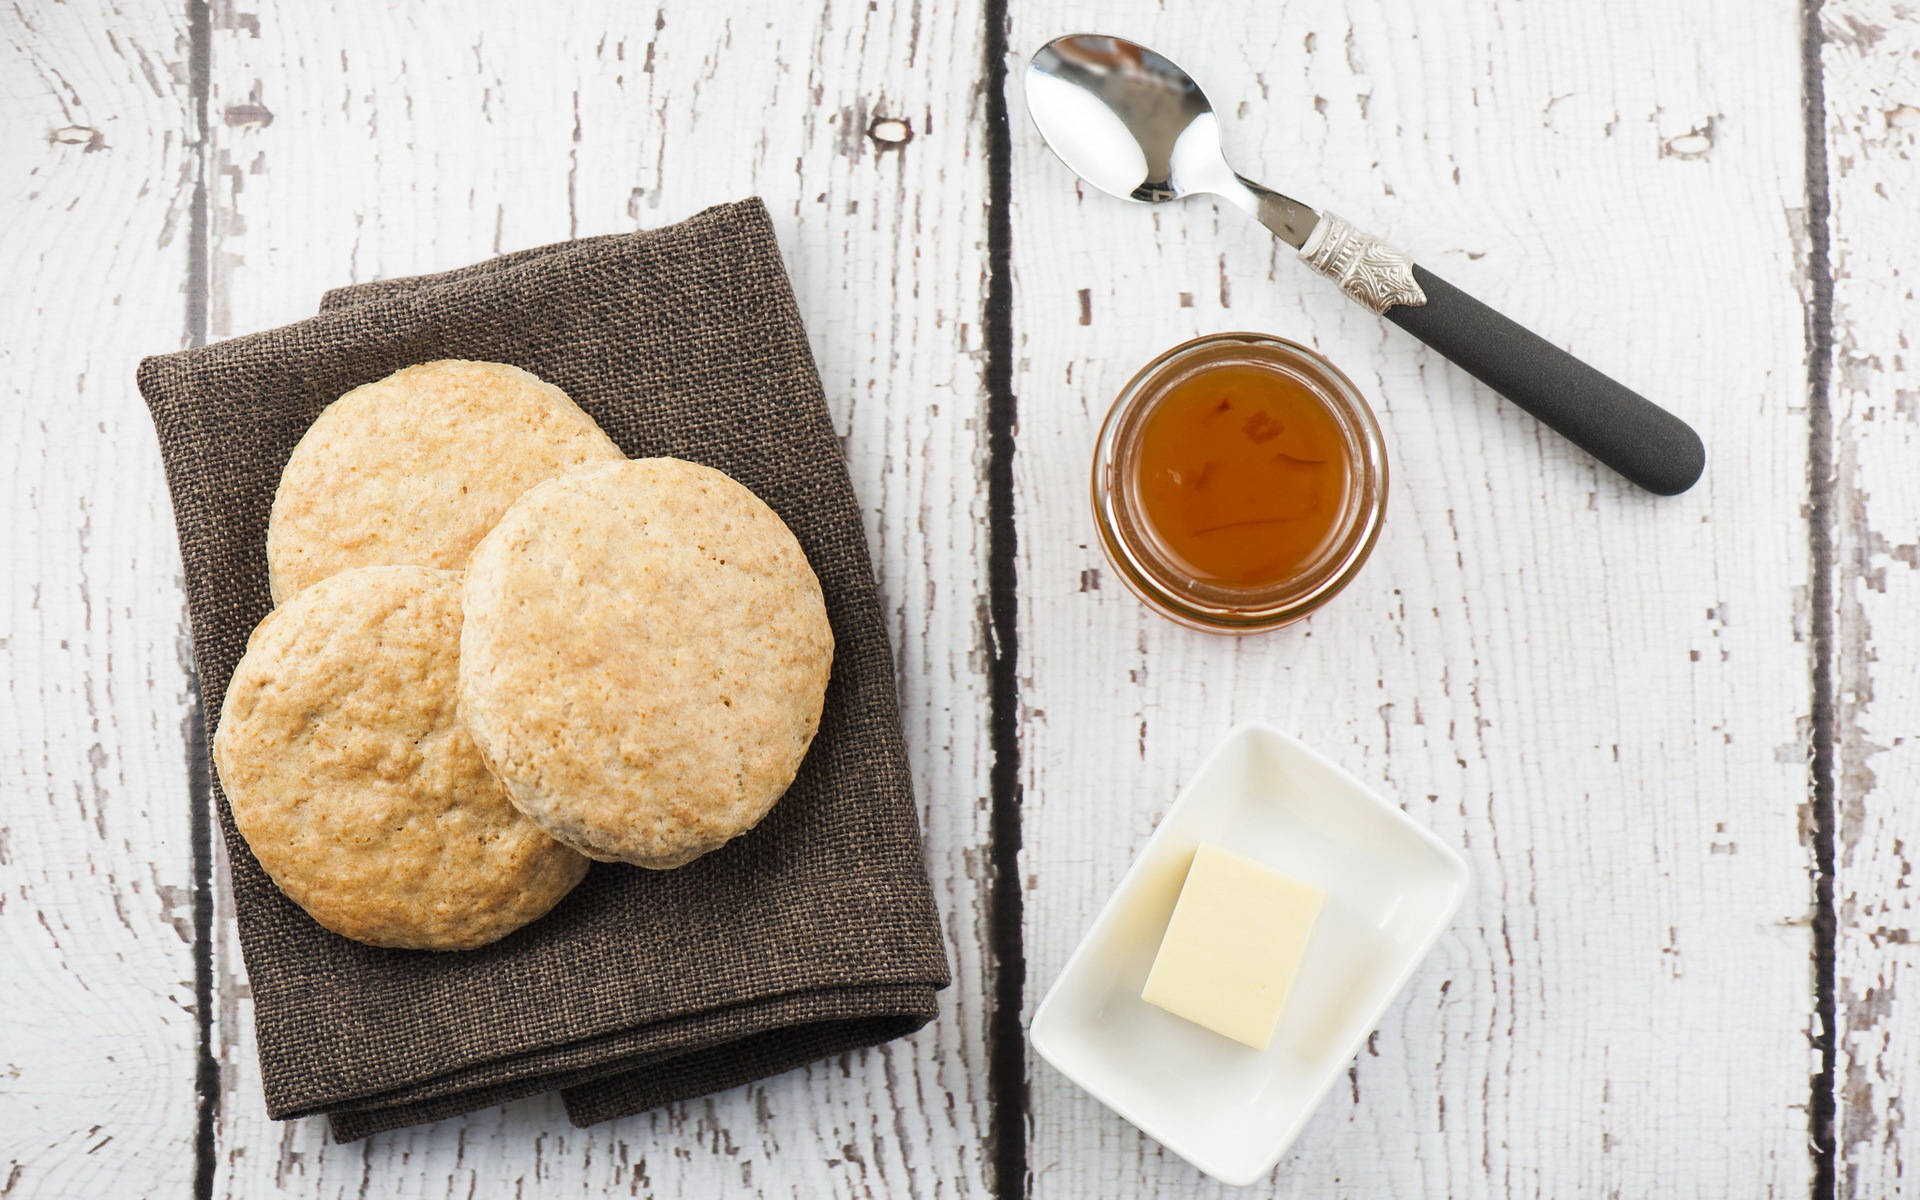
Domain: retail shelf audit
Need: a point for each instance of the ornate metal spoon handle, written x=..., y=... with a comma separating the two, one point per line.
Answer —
x=1366, y=268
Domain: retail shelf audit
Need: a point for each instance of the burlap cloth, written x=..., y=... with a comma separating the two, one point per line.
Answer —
x=813, y=934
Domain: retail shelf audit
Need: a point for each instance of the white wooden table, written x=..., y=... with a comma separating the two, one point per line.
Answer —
x=1671, y=736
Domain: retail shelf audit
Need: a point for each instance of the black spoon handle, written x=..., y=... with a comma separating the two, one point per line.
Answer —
x=1621, y=428
x=1618, y=426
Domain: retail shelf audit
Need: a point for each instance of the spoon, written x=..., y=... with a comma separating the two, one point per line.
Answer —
x=1134, y=125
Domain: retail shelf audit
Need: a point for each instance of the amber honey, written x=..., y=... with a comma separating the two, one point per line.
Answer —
x=1242, y=474
x=1239, y=482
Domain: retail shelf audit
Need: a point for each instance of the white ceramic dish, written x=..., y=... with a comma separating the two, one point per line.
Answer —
x=1391, y=888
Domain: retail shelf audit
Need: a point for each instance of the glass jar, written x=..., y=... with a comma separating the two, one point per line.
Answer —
x=1168, y=584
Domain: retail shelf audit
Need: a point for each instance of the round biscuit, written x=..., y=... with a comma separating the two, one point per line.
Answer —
x=645, y=658
x=350, y=775
x=416, y=467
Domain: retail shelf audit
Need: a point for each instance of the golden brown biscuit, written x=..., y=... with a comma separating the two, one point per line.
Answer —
x=644, y=660
x=352, y=778
x=416, y=467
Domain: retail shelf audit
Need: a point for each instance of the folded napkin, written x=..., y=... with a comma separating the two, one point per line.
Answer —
x=811, y=935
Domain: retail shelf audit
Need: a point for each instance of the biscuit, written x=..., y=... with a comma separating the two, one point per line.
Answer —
x=350, y=775
x=416, y=467
x=644, y=660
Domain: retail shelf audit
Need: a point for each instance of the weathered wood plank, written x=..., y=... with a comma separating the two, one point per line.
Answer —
x=1871, y=61
x=400, y=140
x=1598, y=696
x=99, y=1039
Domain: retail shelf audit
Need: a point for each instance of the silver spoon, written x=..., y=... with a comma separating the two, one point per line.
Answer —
x=1134, y=125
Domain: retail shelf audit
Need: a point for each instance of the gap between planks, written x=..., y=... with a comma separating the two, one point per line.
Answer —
x=206, y=1080
x=1822, y=1100
x=1007, y=1091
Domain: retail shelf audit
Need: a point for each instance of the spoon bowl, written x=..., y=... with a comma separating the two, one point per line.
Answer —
x=1123, y=117
x=1129, y=121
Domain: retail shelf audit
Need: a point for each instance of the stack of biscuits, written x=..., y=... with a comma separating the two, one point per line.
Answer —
x=500, y=649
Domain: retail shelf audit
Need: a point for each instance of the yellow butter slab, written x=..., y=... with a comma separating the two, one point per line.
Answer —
x=1231, y=952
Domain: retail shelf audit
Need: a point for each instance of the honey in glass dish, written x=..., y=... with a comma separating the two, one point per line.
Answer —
x=1242, y=474
x=1239, y=482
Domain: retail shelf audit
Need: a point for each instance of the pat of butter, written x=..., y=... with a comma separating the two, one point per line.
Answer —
x=1233, y=947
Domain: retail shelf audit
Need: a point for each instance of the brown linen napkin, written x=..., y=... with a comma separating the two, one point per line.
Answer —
x=814, y=934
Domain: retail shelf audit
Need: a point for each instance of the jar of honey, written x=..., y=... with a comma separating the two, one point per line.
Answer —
x=1239, y=482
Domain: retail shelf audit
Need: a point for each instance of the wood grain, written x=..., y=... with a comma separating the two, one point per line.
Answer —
x=1871, y=61
x=436, y=138
x=1598, y=696
x=98, y=1041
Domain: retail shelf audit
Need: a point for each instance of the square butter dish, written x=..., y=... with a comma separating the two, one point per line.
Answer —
x=1391, y=888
